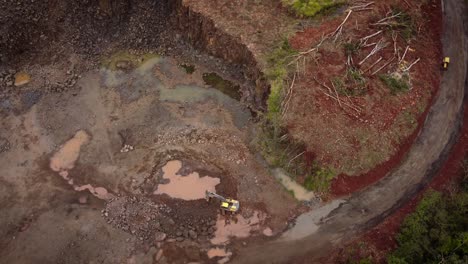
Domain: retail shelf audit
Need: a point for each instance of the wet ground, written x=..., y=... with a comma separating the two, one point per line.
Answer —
x=125, y=157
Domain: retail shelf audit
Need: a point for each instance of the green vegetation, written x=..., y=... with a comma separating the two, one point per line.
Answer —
x=125, y=59
x=291, y=192
x=402, y=22
x=353, y=83
x=437, y=232
x=405, y=24
x=310, y=8
x=276, y=146
x=319, y=180
x=189, y=68
x=277, y=71
x=396, y=83
x=281, y=151
x=356, y=254
x=406, y=123
x=224, y=86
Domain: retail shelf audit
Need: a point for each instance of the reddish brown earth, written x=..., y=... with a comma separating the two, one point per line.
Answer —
x=362, y=146
x=345, y=184
x=379, y=241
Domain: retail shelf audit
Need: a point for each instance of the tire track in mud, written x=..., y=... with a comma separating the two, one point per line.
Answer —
x=370, y=206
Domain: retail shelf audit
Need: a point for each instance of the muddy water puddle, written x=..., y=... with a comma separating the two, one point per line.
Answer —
x=189, y=187
x=164, y=77
x=65, y=158
x=240, y=227
x=301, y=193
x=220, y=253
x=308, y=223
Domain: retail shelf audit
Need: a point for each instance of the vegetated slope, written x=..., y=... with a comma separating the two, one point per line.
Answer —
x=379, y=242
x=332, y=109
x=436, y=232
x=361, y=83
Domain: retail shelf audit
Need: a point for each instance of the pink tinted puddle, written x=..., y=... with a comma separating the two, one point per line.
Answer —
x=267, y=232
x=64, y=160
x=239, y=229
x=190, y=187
x=218, y=252
x=99, y=192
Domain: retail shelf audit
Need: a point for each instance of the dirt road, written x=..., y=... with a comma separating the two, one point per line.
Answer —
x=368, y=207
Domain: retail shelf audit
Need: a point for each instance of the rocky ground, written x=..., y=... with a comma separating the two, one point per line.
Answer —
x=60, y=73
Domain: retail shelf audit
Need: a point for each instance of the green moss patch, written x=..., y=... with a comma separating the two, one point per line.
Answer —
x=225, y=86
x=310, y=8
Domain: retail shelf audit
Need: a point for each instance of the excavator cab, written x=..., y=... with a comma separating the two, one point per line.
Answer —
x=227, y=204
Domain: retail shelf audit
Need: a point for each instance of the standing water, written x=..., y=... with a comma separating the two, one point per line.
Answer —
x=190, y=187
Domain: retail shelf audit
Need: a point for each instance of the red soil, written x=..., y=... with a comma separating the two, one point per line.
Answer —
x=380, y=240
x=344, y=184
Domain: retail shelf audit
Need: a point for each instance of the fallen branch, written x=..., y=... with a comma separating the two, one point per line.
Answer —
x=381, y=21
x=363, y=40
x=395, y=50
x=297, y=156
x=380, y=45
x=373, y=64
x=383, y=66
x=359, y=7
x=357, y=109
x=289, y=96
x=350, y=61
x=411, y=65
x=339, y=29
x=336, y=93
x=404, y=54
x=303, y=53
x=409, y=5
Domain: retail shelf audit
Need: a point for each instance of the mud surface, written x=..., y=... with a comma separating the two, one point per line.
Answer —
x=126, y=155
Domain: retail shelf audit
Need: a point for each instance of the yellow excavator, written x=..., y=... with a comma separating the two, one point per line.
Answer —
x=227, y=204
x=445, y=63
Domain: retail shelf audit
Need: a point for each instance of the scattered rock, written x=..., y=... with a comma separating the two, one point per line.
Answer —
x=193, y=234
x=159, y=236
x=211, y=230
x=126, y=148
x=22, y=78
x=159, y=255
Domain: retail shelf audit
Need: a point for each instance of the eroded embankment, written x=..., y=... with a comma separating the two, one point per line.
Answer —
x=203, y=33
